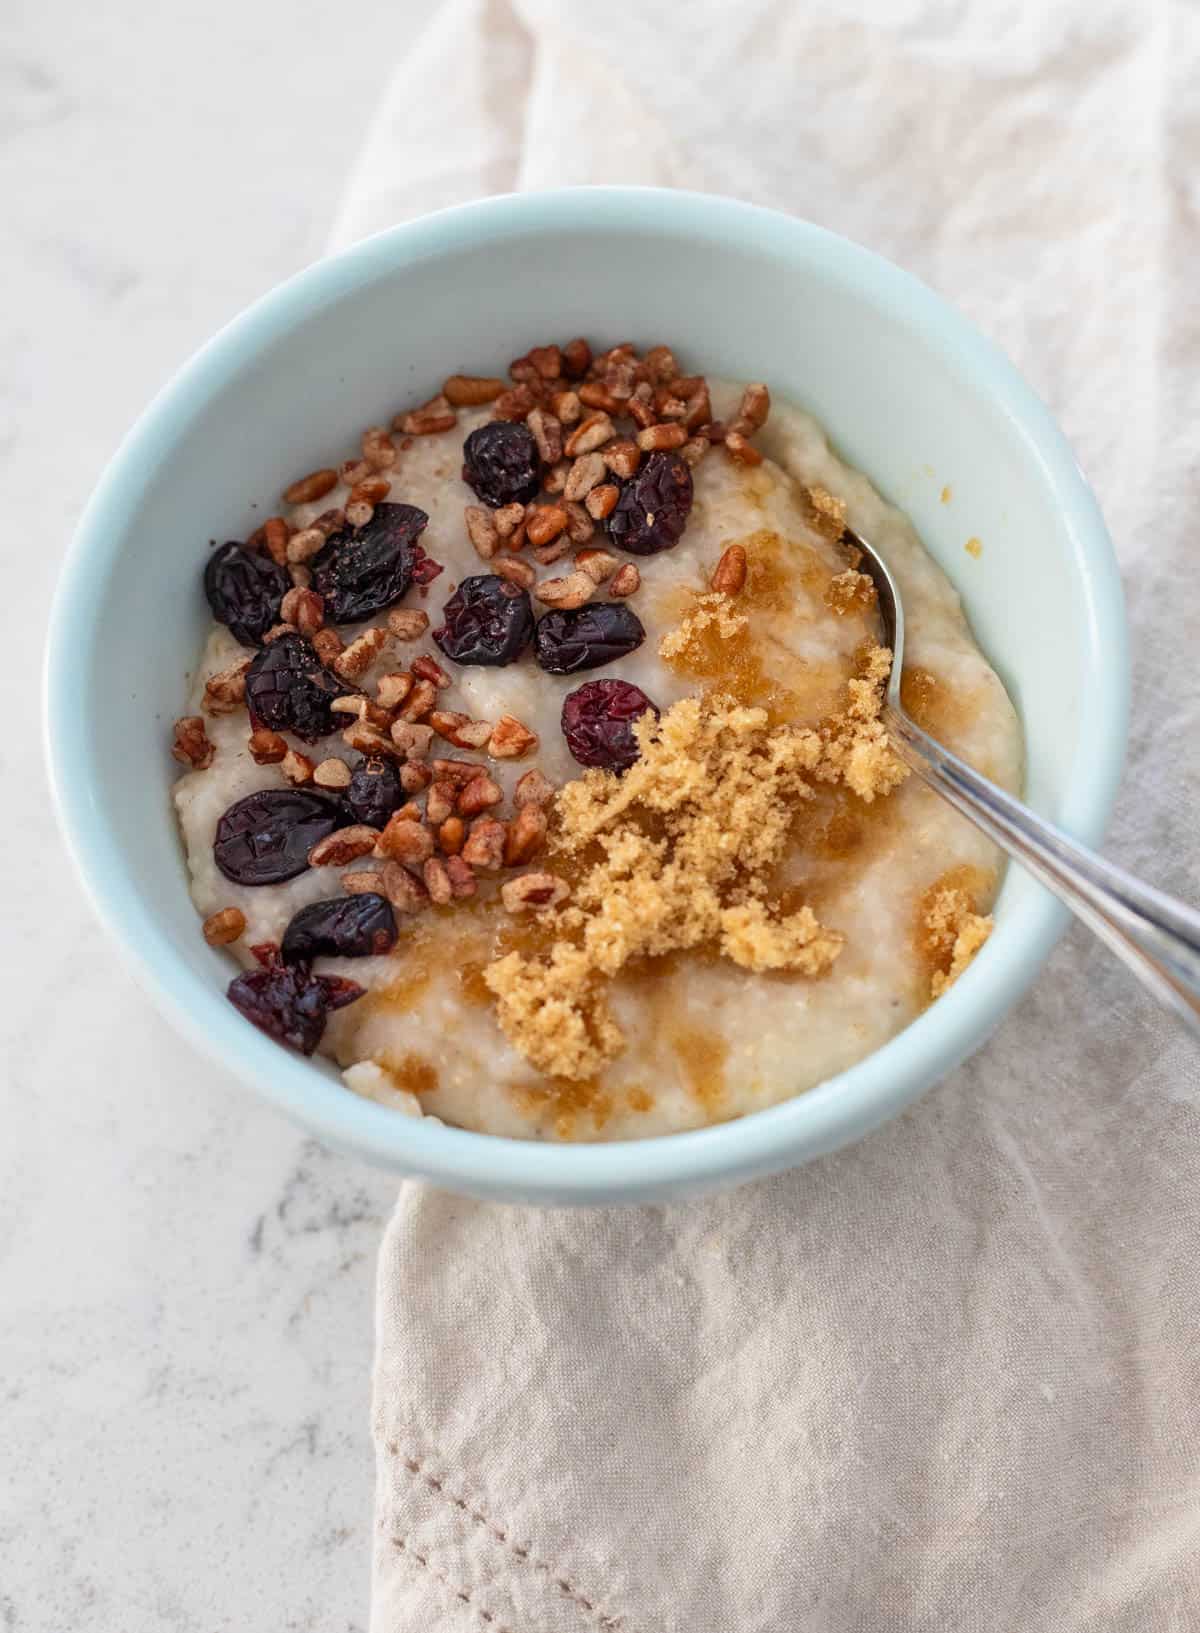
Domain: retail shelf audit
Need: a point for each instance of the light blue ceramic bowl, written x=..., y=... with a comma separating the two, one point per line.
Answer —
x=908, y=390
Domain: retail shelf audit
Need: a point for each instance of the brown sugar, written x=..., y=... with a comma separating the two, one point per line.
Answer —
x=823, y=513
x=952, y=932
x=678, y=854
x=850, y=591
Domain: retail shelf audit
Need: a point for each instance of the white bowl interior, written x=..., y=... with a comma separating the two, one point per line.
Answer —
x=907, y=393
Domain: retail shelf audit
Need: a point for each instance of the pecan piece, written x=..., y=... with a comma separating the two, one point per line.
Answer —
x=510, y=739
x=407, y=623
x=625, y=581
x=569, y=592
x=730, y=573
x=526, y=835
x=462, y=880
x=589, y=435
x=601, y=502
x=353, y=663
x=427, y=668
x=534, y=788
x=305, y=609
x=532, y=892
x=655, y=437
x=437, y=881
x=333, y=774
x=223, y=927
x=343, y=846
x=544, y=522
x=547, y=434
x=308, y=488
x=481, y=530
x=225, y=692
x=191, y=745
x=484, y=847
x=471, y=390
x=405, y=841
x=297, y=767
x=480, y=793
x=266, y=747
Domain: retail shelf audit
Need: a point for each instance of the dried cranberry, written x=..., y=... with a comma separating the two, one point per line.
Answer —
x=289, y=689
x=500, y=461
x=360, y=572
x=288, y=1002
x=487, y=622
x=598, y=722
x=587, y=638
x=244, y=591
x=265, y=838
x=342, y=927
x=653, y=508
x=374, y=792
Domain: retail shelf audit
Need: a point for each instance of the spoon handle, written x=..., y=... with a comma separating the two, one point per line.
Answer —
x=1156, y=936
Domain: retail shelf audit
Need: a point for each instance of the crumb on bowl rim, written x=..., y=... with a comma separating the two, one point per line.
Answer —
x=781, y=1136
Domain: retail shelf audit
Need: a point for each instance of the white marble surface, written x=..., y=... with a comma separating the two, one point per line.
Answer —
x=185, y=1281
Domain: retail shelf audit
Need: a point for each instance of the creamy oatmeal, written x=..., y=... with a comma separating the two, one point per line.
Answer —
x=752, y=898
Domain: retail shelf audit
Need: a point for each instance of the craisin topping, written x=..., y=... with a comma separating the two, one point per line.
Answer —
x=500, y=462
x=374, y=792
x=362, y=573
x=289, y=689
x=245, y=591
x=486, y=622
x=653, y=509
x=265, y=837
x=598, y=723
x=342, y=927
x=289, y=1003
x=565, y=643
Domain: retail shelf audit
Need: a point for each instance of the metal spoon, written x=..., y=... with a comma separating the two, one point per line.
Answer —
x=1156, y=936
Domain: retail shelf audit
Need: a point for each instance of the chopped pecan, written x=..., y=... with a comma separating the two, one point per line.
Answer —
x=729, y=574
x=415, y=775
x=428, y=668
x=699, y=409
x=532, y=892
x=514, y=404
x=740, y=450
x=266, y=747
x=601, y=501
x=351, y=471
x=595, y=395
x=456, y=771
x=392, y=688
x=460, y=729
x=627, y=580
x=589, y=435
x=477, y=795
x=411, y=739
x=370, y=490
x=342, y=846
x=484, y=846
x=353, y=663
x=599, y=565
x=555, y=479
x=656, y=437
x=507, y=519
x=368, y=739
x=407, y=623
x=566, y=407
x=623, y=457
x=585, y=473
x=554, y=551
x=405, y=841
x=576, y=358
x=276, y=631
x=471, y=390
x=379, y=450
x=640, y=407
x=359, y=513
x=661, y=364
x=580, y=525
x=276, y=533
x=406, y=893
x=328, y=645
x=544, y=522
x=437, y=881
x=526, y=835
x=299, y=575
x=462, y=880
x=225, y=926
x=569, y=592
x=305, y=609
x=511, y=739
x=481, y=530
x=304, y=545
x=439, y=803
x=332, y=774
x=753, y=410
x=226, y=692
x=694, y=449
x=620, y=377
x=308, y=488
x=421, y=700
x=451, y=834
x=547, y=434
x=191, y=745
x=534, y=788
x=434, y=416
x=297, y=767
x=515, y=571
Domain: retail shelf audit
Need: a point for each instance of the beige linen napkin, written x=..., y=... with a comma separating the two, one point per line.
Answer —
x=948, y=1379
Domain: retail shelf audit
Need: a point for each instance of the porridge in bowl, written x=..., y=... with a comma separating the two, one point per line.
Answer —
x=535, y=769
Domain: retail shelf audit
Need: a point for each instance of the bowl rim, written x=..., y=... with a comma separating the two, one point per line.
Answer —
x=834, y=1112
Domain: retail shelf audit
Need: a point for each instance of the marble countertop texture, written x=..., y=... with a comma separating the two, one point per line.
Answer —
x=185, y=1280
